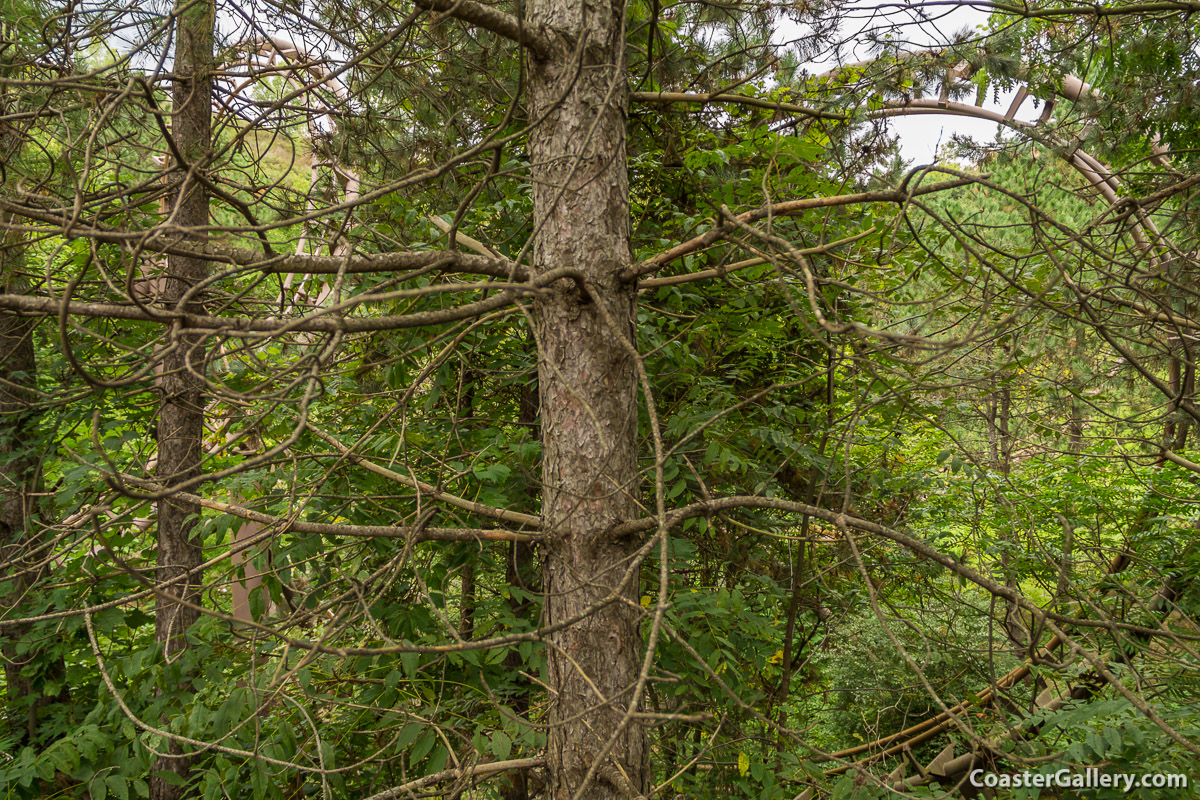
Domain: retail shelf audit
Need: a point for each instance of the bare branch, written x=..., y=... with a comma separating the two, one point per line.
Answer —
x=477, y=771
x=720, y=272
x=666, y=98
x=491, y=19
x=412, y=533
x=786, y=208
x=322, y=320
x=467, y=505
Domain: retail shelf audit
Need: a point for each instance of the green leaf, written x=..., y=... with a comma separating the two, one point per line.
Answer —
x=844, y=789
x=408, y=734
x=421, y=748
x=501, y=745
x=118, y=785
x=437, y=762
x=491, y=473
x=170, y=778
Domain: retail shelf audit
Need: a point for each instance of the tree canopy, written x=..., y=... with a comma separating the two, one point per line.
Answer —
x=571, y=400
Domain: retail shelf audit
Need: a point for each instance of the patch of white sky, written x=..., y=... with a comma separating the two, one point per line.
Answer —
x=912, y=27
x=143, y=37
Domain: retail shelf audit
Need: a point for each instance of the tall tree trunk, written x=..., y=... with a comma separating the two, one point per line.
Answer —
x=18, y=481
x=181, y=411
x=588, y=398
x=16, y=475
x=1014, y=626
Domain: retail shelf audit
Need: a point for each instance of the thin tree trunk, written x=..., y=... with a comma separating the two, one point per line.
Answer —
x=467, y=604
x=521, y=576
x=587, y=383
x=1075, y=428
x=1174, y=387
x=1188, y=392
x=802, y=570
x=993, y=435
x=1002, y=441
x=1004, y=420
x=181, y=412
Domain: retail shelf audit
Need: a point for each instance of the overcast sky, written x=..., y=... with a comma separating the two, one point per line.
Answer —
x=921, y=136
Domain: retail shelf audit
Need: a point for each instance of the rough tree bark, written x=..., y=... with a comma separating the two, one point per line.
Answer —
x=587, y=386
x=27, y=699
x=16, y=472
x=181, y=409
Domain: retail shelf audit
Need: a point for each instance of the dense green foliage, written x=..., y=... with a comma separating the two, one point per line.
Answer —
x=986, y=393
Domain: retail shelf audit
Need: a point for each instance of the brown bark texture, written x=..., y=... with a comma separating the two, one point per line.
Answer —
x=181, y=409
x=16, y=356
x=26, y=699
x=587, y=381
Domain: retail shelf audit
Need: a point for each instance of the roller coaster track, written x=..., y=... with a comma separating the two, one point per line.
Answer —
x=308, y=75
x=949, y=768
x=1071, y=89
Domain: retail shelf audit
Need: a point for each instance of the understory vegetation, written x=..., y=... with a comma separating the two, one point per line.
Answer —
x=575, y=400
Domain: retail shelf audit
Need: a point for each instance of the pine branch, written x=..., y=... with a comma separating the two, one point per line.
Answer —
x=491, y=19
